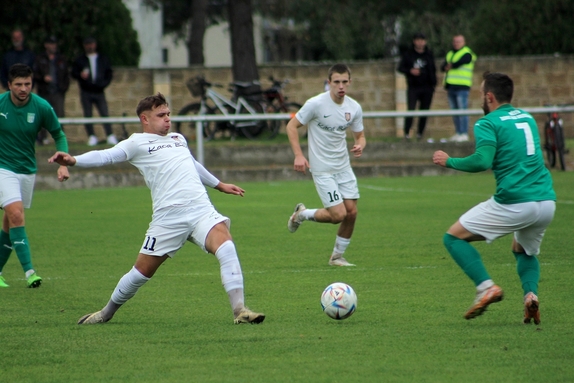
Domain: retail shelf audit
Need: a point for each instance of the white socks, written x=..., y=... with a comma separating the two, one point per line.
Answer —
x=231, y=275
x=128, y=286
x=341, y=245
x=307, y=215
x=485, y=285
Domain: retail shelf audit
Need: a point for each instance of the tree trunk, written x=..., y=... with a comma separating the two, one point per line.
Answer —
x=244, y=64
x=197, y=31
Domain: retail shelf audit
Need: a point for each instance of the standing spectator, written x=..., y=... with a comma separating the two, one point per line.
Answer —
x=328, y=116
x=459, y=65
x=418, y=65
x=52, y=79
x=94, y=73
x=19, y=54
x=22, y=114
x=507, y=142
x=182, y=210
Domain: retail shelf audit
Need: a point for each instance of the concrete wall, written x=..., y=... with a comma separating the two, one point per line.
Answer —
x=376, y=85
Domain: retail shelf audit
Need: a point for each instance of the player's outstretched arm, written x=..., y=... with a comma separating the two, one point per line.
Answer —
x=229, y=189
x=63, y=159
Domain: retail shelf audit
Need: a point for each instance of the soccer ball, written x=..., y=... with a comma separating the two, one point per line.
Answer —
x=339, y=300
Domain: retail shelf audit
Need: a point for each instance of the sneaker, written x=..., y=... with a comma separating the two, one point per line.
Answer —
x=92, y=140
x=112, y=140
x=455, y=138
x=3, y=282
x=531, y=311
x=463, y=138
x=491, y=295
x=338, y=260
x=34, y=281
x=92, y=318
x=294, y=222
x=248, y=316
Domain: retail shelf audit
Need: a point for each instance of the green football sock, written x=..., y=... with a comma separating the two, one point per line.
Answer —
x=528, y=269
x=5, y=248
x=467, y=257
x=21, y=246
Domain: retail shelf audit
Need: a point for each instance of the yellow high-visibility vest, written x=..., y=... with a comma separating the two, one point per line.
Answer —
x=463, y=74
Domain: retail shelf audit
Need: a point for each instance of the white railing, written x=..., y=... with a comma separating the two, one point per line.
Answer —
x=198, y=119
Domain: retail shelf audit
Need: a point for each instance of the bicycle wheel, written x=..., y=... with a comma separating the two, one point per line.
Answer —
x=188, y=128
x=559, y=144
x=272, y=127
x=549, y=145
x=251, y=129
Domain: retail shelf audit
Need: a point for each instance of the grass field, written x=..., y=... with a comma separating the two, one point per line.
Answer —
x=411, y=296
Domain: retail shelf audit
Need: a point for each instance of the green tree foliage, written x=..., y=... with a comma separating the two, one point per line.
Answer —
x=506, y=27
x=109, y=21
x=334, y=29
x=439, y=28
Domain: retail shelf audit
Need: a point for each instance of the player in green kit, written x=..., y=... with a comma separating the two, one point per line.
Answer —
x=22, y=115
x=524, y=203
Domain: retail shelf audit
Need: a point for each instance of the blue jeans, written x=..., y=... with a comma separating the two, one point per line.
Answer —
x=458, y=99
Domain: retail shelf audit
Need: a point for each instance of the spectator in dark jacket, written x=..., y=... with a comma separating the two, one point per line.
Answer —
x=94, y=73
x=52, y=80
x=418, y=65
x=19, y=54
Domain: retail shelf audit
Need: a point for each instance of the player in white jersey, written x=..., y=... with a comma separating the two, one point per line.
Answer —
x=328, y=116
x=182, y=210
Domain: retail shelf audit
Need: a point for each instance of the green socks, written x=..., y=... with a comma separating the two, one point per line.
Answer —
x=466, y=256
x=5, y=248
x=21, y=247
x=528, y=269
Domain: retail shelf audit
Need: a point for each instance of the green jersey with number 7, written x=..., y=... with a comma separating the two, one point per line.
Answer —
x=518, y=166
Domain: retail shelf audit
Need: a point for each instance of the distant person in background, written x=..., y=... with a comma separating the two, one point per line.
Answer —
x=52, y=79
x=94, y=73
x=459, y=67
x=19, y=54
x=418, y=65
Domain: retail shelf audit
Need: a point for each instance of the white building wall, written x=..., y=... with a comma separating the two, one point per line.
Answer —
x=216, y=46
x=149, y=25
x=217, y=41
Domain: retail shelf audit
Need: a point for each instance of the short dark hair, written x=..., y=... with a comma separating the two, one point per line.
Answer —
x=500, y=85
x=19, y=70
x=150, y=102
x=339, y=68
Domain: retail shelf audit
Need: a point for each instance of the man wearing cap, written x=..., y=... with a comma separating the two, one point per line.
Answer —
x=94, y=73
x=52, y=79
x=418, y=65
x=18, y=54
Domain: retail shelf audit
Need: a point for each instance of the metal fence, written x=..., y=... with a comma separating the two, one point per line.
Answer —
x=199, y=119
